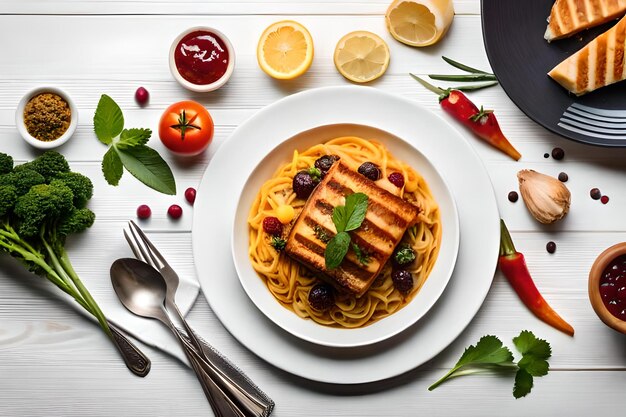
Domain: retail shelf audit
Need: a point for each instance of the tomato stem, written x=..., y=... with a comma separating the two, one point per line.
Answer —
x=184, y=124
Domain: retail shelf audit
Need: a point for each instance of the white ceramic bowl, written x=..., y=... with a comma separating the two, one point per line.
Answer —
x=21, y=127
x=389, y=326
x=202, y=88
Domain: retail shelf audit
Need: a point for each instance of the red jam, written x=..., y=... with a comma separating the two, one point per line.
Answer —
x=201, y=57
x=613, y=287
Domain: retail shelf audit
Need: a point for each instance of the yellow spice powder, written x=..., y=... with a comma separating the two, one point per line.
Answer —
x=47, y=116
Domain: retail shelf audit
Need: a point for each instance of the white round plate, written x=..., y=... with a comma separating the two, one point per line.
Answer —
x=308, y=329
x=440, y=143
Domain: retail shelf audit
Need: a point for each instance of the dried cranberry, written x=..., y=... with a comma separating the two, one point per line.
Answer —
x=595, y=193
x=303, y=184
x=513, y=196
x=272, y=226
x=604, y=199
x=402, y=280
x=370, y=170
x=396, y=179
x=321, y=297
x=144, y=212
x=558, y=153
x=323, y=163
x=551, y=247
x=190, y=195
x=175, y=211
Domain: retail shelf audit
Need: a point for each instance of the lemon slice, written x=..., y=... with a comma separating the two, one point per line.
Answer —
x=421, y=22
x=285, y=50
x=361, y=56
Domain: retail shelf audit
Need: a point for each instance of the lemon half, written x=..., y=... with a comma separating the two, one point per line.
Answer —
x=285, y=50
x=361, y=56
x=421, y=22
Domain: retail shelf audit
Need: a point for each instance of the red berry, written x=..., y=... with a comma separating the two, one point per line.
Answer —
x=396, y=179
x=175, y=211
x=144, y=212
x=272, y=226
x=190, y=195
x=604, y=199
x=142, y=96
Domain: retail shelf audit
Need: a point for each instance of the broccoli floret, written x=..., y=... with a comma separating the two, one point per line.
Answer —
x=43, y=202
x=8, y=197
x=6, y=163
x=49, y=164
x=78, y=220
x=22, y=180
x=81, y=186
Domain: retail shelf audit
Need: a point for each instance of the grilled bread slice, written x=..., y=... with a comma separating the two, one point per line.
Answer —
x=386, y=220
x=599, y=63
x=571, y=16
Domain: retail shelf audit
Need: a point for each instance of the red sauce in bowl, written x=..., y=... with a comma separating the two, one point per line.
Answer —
x=613, y=287
x=201, y=57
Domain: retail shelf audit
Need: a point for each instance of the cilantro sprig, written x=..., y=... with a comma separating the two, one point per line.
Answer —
x=346, y=218
x=128, y=149
x=489, y=353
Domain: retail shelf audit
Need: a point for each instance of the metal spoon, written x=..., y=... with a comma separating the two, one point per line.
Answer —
x=142, y=290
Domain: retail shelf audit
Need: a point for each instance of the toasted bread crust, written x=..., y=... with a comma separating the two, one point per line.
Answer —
x=386, y=220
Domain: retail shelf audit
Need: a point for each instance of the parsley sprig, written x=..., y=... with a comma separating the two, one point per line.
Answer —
x=489, y=353
x=128, y=149
x=346, y=218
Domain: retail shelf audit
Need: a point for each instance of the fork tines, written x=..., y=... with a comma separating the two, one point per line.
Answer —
x=590, y=121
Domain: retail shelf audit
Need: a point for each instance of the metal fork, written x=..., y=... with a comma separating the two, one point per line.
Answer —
x=590, y=121
x=248, y=397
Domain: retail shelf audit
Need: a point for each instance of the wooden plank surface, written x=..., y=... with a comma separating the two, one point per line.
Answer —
x=53, y=362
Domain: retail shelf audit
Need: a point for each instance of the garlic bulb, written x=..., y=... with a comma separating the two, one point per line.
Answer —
x=546, y=198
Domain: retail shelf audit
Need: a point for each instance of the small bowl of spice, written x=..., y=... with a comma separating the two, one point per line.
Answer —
x=202, y=59
x=607, y=287
x=46, y=117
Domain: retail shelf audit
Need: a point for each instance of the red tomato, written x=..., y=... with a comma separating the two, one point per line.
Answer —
x=186, y=128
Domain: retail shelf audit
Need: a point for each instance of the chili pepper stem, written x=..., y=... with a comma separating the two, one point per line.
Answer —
x=507, y=247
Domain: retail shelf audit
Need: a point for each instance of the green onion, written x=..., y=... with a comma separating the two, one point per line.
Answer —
x=464, y=77
x=463, y=67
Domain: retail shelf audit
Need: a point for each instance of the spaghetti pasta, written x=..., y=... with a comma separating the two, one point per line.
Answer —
x=290, y=282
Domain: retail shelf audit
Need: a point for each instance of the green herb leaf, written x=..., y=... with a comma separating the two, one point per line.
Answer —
x=488, y=351
x=321, y=234
x=356, y=206
x=278, y=243
x=404, y=254
x=112, y=167
x=147, y=166
x=130, y=138
x=315, y=173
x=534, y=366
x=336, y=250
x=528, y=344
x=523, y=384
x=361, y=256
x=108, y=121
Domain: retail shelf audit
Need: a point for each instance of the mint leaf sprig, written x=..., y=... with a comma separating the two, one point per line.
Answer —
x=128, y=149
x=489, y=353
x=346, y=218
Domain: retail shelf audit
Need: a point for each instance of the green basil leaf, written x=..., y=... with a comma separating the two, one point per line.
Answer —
x=147, y=166
x=112, y=167
x=340, y=218
x=336, y=250
x=356, y=206
x=133, y=137
x=108, y=121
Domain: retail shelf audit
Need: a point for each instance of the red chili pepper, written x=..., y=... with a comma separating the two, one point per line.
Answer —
x=482, y=122
x=513, y=265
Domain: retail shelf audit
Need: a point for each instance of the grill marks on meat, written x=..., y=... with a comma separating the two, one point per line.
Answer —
x=387, y=219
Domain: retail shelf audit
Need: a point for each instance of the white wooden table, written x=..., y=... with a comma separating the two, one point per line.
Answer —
x=55, y=363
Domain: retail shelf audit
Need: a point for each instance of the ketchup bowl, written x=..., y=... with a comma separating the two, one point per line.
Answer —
x=202, y=59
x=607, y=287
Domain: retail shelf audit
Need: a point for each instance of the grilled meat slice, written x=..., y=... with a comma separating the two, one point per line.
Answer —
x=598, y=64
x=386, y=220
x=571, y=16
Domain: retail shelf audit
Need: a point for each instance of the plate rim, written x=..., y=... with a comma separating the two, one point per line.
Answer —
x=330, y=334
x=401, y=356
